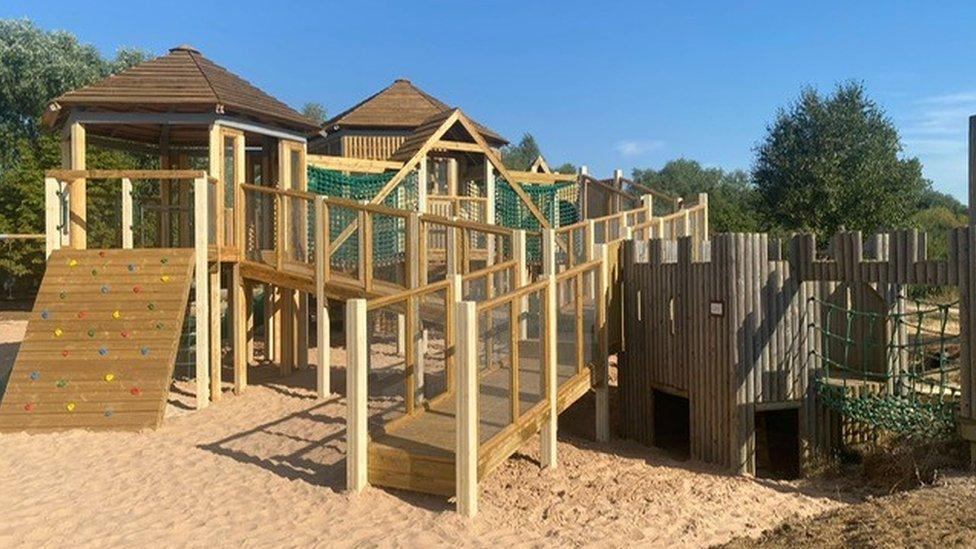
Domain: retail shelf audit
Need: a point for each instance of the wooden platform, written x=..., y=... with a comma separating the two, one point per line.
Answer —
x=101, y=341
x=416, y=452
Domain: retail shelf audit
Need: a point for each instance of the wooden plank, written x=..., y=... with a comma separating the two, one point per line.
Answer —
x=466, y=459
x=357, y=427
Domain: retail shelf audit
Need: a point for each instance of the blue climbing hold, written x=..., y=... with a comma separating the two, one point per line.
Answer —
x=109, y=413
x=35, y=375
x=104, y=289
x=132, y=268
x=103, y=351
x=144, y=351
x=45, y=315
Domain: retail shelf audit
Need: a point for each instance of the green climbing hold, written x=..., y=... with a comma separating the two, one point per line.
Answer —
x=94, y=272
x=164, y=260
x=62, y=383
x=151, y=306
x=91, y=332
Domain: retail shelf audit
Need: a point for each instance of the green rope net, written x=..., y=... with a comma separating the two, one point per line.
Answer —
x=558, y=204
x=897, y=370
x=389, y=233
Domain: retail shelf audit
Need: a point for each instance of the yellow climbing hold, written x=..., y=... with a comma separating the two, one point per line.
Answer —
x=58, y=332
x=70, y=406
x=164, y=278
x=73, y=262
x=117, y=315
x=109, y=377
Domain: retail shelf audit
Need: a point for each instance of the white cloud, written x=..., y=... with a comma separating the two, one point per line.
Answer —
x=935, y=129
x=638, y=147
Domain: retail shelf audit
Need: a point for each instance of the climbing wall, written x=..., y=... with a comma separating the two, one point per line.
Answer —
x=101, y=342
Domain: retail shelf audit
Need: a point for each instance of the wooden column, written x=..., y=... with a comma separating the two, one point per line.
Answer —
x=422, y=186
x=249, y=319
x=603, y=354
x=413, y=323
x=357, y=428
x=73, y=157
x=53, y=205
x=452, y=184
x=165, y=192
x=201, y=295
x=215, y=282
x=238, y=317
x=466, y=459
x=127, y=213
x=547, y=445
x=521, y=276
x=323, y=342
x=490, y=194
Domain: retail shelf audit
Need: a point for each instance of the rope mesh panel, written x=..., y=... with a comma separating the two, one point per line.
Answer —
x=558, y=204
x=389, y=233
x=912, y=392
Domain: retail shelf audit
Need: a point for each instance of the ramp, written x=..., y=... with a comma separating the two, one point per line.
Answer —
x=101, y=342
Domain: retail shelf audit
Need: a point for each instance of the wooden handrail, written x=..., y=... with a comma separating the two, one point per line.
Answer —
x=420, y=291
x=517, y=293
x=578, y=269
x=487, y=271
x=71, y=175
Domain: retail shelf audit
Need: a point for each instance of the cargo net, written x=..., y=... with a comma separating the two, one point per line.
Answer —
x=898, y=371
x=389, y=232
x=558, y=203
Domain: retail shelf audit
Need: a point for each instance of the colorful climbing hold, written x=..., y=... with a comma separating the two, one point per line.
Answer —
x=81, y=314
x=159, y=325
x=151, y=306
x=62, y=295
x=131, y=267
x=62, y=383
x=73, y=262
x=91, y=333
x=104, y=289
x=144, y=351
x=164, y=278
x=45, y=315
x=64, y=353
x=70, y=406
x=94, y=272
x=136, y=289
x=164, y=260
x=116, y=314
x=58, y=332
x=35, y=375
x=103, y=351
x=29, y=406
x=124, y=333
x=109, y=412
x=109, y=377
x=135, y=391
x=101, y=253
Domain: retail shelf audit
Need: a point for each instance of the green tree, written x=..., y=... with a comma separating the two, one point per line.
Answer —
x=315, y=112
x=520, y=156
x=835, y=161
x=36, y=66
x=731, y=198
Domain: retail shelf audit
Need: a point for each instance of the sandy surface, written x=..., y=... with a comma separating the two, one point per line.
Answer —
x=268, y=468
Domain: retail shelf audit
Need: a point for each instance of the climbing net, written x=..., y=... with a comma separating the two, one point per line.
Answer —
x=389, y=233
x=896, y=370
x=559, y=204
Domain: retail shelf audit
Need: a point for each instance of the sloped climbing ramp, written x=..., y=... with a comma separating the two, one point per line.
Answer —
x=101, y=342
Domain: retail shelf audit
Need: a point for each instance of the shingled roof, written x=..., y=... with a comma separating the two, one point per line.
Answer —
x=401, y=105
x=181, y=81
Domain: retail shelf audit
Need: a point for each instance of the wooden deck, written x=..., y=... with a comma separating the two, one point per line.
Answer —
x=416, y=452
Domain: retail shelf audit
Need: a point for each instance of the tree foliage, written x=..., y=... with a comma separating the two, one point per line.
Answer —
x=315, y=112
x=732, y=199
x=520, y=156
x=36, y=66
x=835, y=161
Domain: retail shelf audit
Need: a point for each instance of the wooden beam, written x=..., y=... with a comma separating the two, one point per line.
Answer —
x=323, y=355
x=547, y=446
x=53, y=205
x=77, y=191
x=68, y=174
x=201, y=295
x=357, y=428
x=543, y=178
x=456, y=146
x=360, y=165
x=238, y=317
x=127, y=213
x=603, y=354
x=466, y=459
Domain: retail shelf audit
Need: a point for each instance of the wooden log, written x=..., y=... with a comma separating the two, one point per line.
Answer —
x=201, y=294
x=357, y=427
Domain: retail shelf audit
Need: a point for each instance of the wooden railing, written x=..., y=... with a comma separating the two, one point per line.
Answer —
x=690, y=220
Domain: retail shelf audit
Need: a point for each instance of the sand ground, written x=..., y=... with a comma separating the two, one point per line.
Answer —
x=267, y=469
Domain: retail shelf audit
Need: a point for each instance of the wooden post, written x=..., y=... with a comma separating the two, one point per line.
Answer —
x=73, y=157
x=703, y=201
x=201, y=294
x=603, y=353
x=589, y=249
x=323, y=356
x=451, y=249
x=414, y=325
x=239, y=327
x=52, y=215
x=614, y=198
x=466, y=460
x=452, y=185
x=490, y=205
x=521, y=276
x=215, y=328
x=301, y=332
x=249, y=319
x=422, y=186
x=647, y=201
x=357, y=347
x=126, y=213
x=549, y=424
x=450, y=327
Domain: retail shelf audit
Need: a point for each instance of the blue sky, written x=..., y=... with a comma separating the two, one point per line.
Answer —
x=606, y=84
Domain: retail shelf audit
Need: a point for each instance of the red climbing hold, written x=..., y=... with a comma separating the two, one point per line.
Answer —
x=64, y=353
x=101, y=253
x=29, y=406
x=81, y=314
x=135, y=391
x=125, y=334
x=136, y=289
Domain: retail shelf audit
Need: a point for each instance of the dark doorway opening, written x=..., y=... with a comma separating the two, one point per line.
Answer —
x=778, y=444
x=672, y=428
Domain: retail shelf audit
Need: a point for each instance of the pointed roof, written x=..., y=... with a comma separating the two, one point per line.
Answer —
x=401, y=105
x=182, y=81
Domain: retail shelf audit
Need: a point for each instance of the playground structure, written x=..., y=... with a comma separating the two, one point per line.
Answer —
x=738, y=336
x=477, y=302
